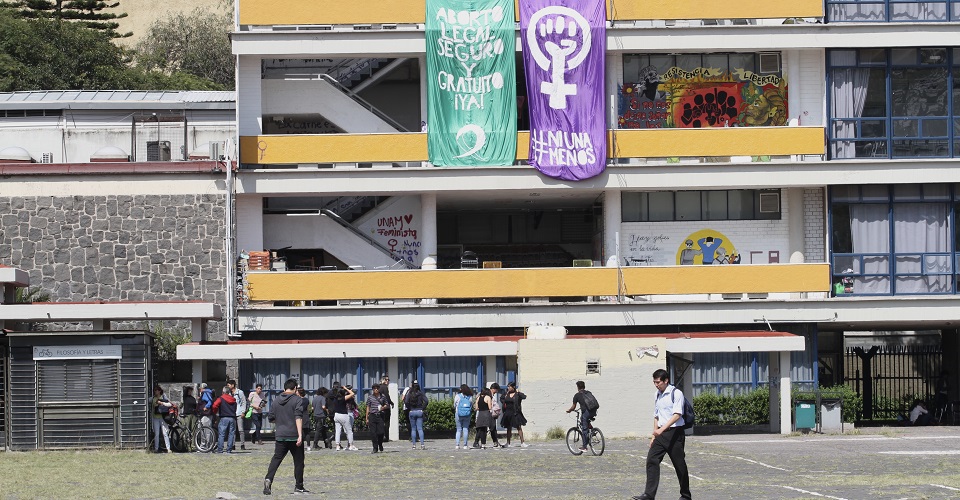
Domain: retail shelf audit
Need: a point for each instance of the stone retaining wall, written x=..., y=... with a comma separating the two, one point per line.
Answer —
x=120, y=247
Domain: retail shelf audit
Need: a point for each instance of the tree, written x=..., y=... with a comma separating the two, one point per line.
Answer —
x=197, y=43
x=41, y=54
x=89, y=13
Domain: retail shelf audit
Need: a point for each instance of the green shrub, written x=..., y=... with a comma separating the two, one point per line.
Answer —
x=440, y=416
x=751, y=408
x=555, y=432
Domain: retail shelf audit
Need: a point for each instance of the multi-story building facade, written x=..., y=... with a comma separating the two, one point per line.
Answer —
x=805, y=150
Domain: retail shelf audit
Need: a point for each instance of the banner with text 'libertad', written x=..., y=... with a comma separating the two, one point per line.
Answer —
x=471, y=82
x=563, y=44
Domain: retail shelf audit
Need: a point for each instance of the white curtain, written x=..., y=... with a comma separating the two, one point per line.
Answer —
x=926, y=11
x=870, y=233
x=920, y=228
x=856, y=11
x=849, y=94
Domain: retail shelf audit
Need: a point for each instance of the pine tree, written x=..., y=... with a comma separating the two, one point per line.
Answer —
x=90, y=13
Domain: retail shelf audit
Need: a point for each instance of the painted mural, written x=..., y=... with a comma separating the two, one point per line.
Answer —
x=397, y=226
x=691, y=244
x=703, y=97
x=707, y=247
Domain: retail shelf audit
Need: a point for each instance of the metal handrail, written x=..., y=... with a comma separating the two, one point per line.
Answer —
x=359, y=100
x=371, y=241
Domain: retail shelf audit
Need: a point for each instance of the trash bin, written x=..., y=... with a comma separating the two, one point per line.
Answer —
x=831, y=418
x=804, y=415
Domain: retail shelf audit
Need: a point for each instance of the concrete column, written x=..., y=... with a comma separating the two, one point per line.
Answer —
x=797, y=235
x=249, y=96
x=773, y=358
x=199, y=374
x=489, y=371
x=393, y=426
x=428, y=240
x=198, y=328
x=611, y=225
x=249, y=210
x=295, y=369
x=101, y=324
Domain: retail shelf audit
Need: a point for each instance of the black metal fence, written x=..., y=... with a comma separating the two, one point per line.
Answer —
x=889, y=378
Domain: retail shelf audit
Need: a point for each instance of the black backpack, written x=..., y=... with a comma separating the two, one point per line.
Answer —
x=688, y=415
x=590, y=401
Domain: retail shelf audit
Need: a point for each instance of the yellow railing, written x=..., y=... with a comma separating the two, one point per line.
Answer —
x=312, y=12
x=545, y=282
x=647, y=143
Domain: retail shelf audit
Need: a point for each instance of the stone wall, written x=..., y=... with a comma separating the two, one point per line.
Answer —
x=120, y=247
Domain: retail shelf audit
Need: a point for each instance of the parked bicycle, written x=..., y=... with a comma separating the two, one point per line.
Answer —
x=596, y=443
x=178, y=434
x=204, y=437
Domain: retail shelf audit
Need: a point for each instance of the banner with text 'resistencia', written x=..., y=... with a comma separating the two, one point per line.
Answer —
x=471, y=82
x=563, y=44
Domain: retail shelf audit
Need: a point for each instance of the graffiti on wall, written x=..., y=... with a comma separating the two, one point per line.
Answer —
x=707, y=247
x=402, y=236
x=703, y=97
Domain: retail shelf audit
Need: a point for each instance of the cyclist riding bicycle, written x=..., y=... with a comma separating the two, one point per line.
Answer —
x=585, y=414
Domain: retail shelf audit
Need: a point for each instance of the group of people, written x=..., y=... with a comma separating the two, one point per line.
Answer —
x=232, y=409
x=489, y=406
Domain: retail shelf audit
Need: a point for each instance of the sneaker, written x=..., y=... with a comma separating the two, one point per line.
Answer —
x=252, y=431
x=300, y=490
x=584, y=449
x=505, y=445
x=339, y=448
x=242, y=447
x=353, y=448
x=266, y=486
x=309, y=448
x=414, y=446
x=375, y=451
x=458, y=446
x=476, y=447
x=524, y=445
x=422, y=447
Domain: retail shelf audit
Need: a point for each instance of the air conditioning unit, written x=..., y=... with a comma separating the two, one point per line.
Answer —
x=769, y=62
x=218, y=150
x=46, y=158
x=158, y=150
x=769, y=203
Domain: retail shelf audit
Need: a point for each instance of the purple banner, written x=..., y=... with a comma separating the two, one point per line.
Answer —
x=563, y=44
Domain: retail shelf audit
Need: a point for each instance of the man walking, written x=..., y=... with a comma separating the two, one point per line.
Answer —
x=668, y=437
x=386, y=410
x=258, y=403
x=288, y=425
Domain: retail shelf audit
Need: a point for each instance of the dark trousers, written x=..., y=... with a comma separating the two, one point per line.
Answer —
x=281, y=448
x=375, y=424
x=385, y=414
x=321, y=432
x=482, y=434
x=257, y=425
x=671, y=442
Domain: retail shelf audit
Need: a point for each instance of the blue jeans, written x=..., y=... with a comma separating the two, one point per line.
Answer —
x=416, y=425
x=463, y=428
x=227, y=428
x=585, y=425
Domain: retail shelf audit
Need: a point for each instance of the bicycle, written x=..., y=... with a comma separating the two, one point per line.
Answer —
x=178, y=438
x=204, y=437
x=596, y=443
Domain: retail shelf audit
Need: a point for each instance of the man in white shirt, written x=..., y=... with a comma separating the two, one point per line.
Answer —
x=668, y=437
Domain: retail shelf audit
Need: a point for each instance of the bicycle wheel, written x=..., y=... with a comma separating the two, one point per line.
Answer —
x=597, y=443
x=574, y=441
x=178, y=441
x=205, y=439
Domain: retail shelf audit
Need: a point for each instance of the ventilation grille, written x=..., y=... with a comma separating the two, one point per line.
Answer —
x=769, y=203
x=46, y=158
x=769, y=62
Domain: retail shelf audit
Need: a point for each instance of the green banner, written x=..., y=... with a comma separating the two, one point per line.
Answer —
x=471, y=82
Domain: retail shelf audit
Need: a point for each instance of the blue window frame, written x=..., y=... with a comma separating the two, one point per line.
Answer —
x=894, y=240
x=892, y=11
x=893, y=103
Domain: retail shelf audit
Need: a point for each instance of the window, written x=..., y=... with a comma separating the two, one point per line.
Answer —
x=893, y=103
x=734, y=204
x=892, y=11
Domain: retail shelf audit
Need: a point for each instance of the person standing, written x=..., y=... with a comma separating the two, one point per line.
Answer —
x=375, y=405
x=205, y=405
x=161, y=406
x=258, y=403
x=416, y=401
x=462, y=406
x=225, y=407
x=340, y=418
x=668, y=437
x=288, y=425
x=513, y=413
x=496, y=409
x=189, y=414
x=320, y=419
x=387, y=410
x=241, y=410
x=307, y=414
x=484, y=420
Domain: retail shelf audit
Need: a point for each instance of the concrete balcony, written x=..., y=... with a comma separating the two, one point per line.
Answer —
x=366, y=12
x=729, y=282
x=648, y=143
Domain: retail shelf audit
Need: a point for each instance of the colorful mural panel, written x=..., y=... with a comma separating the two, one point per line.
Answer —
x=704, y=97
x=707, y=247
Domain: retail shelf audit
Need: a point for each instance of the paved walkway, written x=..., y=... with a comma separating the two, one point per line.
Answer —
x=875, y=463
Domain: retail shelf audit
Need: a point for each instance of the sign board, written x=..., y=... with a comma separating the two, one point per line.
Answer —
x=48, y=352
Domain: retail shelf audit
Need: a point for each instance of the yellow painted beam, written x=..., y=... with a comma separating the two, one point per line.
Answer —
x=545, y=282
x=313, y=12
x=647, y=143
x=703, y=9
